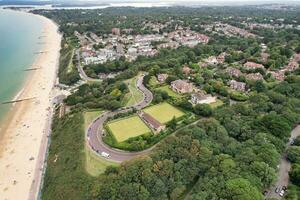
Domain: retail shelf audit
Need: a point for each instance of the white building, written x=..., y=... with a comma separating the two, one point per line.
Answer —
x=200, y=98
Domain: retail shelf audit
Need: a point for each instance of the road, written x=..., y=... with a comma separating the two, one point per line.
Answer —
x=284, y=168
x=95, y=131
x=81, y=71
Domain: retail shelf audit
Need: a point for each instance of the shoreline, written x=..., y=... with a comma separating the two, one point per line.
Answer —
x=23, y=139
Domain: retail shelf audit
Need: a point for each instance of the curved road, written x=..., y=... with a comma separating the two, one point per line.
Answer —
x=81, y=71
x=95, y=131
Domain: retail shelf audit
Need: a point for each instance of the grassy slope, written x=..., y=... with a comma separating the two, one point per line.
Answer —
x=70, y=65
x=170, y=92
x=89, y=116
x=66, y=178
x=134, y=95
x=153, y=81
x=217, y=103
x=94, y=164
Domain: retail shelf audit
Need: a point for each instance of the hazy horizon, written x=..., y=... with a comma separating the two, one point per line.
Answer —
x=171, y=2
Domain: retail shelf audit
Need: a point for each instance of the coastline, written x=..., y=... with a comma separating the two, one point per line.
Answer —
x=23, y=141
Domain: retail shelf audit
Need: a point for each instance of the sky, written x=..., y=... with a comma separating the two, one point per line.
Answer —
x=147, y=1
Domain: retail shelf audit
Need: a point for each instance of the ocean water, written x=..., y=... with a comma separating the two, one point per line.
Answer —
x=19, y=40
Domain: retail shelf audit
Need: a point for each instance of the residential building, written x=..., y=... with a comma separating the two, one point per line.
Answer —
x=233, y=72
x=254, y=76
x=221, y=57
x=264, y=57
x=186, y=70
x=253, y=65
x=201, y=98
x=236, y=85
x=115, y=31
x=162, y=77
x=278, y=75
x=212, y=60
x=182, y=86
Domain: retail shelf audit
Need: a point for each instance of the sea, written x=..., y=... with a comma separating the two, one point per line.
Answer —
x=19, y=41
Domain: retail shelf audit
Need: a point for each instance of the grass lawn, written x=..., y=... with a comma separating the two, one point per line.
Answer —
x=126, y=128
x=96, y=165
x=153, y=81
x=70, y=64
x=89, y=116
x=170, y=92
x=134, y=96
x=163, y=112
x=217, y=103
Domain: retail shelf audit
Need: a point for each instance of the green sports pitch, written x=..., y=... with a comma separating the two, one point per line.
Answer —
x=163, y=112
x=129, y=127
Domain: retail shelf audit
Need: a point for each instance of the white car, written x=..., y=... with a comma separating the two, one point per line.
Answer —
x=105, y=155
x=281, y=193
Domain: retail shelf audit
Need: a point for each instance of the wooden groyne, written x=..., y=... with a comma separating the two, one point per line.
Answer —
x=18, y=100
x=32, y=69
x=40, y=52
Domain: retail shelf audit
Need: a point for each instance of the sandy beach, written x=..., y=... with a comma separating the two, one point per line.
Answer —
x=24, y=133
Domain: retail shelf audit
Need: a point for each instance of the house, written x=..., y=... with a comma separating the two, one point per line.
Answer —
x=115, y=31
x=182, y=86
x=233, y=72
x=221, y=57
x=296, y=57
x=254, y=76
x=162, y=77
x=152, y=122
x=292, y=66
x=253, y=65
x=186, y=70
x=236, y=85
x=264, y=57
x=212, y=60
x=200, y=98
x=278, y=75
x=172, y=45
x=202, y=38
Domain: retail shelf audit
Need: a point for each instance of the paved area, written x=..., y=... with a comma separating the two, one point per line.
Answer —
x=284, y=168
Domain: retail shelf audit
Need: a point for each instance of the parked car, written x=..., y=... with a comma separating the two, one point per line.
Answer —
x=284, y=188
x=281, y=193
x=105, y=155
x=292, y=141
x=277, y=190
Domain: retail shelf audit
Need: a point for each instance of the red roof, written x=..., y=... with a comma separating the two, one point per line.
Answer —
x=150, y=120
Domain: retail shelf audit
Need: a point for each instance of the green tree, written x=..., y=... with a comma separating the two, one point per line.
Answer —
x=204, y=110
x=295, y=174
x=239, y=188
x=293, y=154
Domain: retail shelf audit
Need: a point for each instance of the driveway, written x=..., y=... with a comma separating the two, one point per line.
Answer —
x=284, y=168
